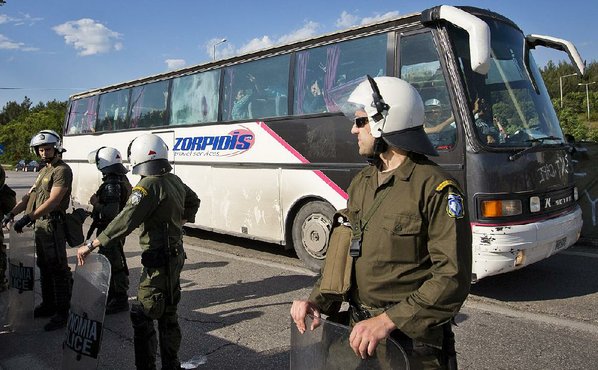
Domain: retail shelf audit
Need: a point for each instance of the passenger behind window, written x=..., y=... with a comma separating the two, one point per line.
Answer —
x=241, y=105
x=490, y=131
x=442, y=132
x=314, y=102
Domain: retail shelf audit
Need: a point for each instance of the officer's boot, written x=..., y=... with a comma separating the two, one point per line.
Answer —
x=62, y=299
x=48, y=307
x=144, y=338
x=170, y=340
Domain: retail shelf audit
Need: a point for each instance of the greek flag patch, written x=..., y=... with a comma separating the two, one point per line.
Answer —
x=455, y=205
x=137, y=194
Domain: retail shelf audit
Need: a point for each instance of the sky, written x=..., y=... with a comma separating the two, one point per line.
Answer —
x=53, y=49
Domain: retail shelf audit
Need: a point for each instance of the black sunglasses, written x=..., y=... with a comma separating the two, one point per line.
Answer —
x=360, y=122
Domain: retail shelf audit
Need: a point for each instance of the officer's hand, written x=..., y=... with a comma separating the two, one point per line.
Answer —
x=82, y=253
x=300, y=309
x=24, y=221
x=93, y=200
x=366, y=334
x=8, y=218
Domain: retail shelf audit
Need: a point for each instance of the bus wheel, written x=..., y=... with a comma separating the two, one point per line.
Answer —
x=311, y=229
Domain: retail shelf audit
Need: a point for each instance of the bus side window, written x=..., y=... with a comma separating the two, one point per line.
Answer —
x=257, y=89
x=325, y=73
x=82, y=116
x=149, y=102
x=420, y=66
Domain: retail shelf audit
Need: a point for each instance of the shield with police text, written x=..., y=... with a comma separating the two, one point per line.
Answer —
x=327, y=347
x=21, y=271
x=81, y=347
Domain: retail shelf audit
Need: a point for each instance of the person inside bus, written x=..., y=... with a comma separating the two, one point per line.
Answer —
x=442, y=133
x=240, y=106
x=490, y=132
x=314, y=102
x=409, y=242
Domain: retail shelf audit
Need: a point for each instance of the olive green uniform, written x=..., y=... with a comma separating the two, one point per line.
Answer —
x=7, y=203
x=159, y=204
x=415, y=261
x=50, y=241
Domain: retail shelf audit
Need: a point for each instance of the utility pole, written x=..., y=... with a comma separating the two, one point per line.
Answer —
x=587, y=95
x=561, y=84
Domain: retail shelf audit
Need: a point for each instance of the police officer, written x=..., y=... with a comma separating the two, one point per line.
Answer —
x=45, y=206
x=7, y=202
x=411, y=238
x=160, y=203
x=107, y=202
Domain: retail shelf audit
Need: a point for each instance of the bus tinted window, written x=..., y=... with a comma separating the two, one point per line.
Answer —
x=82, y=116
x=322, y=73
x=256, y=89
x=420, y=67
x=112, y=114
x=148, y=105
x=195, y=98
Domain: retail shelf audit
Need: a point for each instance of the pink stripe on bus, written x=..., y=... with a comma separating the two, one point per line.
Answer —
x=298, y=155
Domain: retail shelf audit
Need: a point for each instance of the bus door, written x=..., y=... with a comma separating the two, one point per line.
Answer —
x=419, y=64
x=168, y=137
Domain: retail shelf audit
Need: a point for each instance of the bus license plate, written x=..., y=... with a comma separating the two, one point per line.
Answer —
x=560, y=244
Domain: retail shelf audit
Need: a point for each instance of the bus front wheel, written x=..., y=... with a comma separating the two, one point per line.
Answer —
x=311, y=230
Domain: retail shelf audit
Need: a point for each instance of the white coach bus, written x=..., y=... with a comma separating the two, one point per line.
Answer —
x=261, y=140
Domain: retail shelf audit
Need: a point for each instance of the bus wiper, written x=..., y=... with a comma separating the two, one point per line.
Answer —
x=537, y=144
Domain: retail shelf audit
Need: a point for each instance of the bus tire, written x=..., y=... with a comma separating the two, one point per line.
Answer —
x=311, y=231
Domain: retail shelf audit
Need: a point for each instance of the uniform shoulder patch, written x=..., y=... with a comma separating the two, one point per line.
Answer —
x=137, y=193
x=454, y=208
x=446, y=183
x=141, y=189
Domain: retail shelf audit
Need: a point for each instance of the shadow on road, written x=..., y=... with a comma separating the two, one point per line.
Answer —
x=560, y=276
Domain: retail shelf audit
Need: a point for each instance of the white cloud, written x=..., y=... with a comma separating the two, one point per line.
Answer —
x=25, y=19
x=379, y=17
x=256, y=44
x=8, y=44
x=346, y=20
x=175, y=63
x=89, y=36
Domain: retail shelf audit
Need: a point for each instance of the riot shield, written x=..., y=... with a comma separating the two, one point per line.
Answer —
x=327, y=347
x=81, y=346
x=21, y=271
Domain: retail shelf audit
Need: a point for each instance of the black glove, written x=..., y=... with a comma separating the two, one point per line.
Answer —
x=24, y=221
x=9, y=217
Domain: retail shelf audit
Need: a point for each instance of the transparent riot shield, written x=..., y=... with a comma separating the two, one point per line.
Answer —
x=327, y=347
x=81, y=346
x=21, y=271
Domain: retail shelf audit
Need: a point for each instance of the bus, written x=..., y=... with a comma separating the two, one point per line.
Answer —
x=261, y=139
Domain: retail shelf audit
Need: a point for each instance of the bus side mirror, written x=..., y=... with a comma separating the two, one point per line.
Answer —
x=558, y=44
x=478, y=30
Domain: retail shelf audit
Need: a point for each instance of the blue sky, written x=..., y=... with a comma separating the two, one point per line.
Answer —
x=52, y=49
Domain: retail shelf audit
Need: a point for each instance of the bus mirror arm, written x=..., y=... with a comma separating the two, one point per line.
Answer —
x=558, y=44
x=478, y=30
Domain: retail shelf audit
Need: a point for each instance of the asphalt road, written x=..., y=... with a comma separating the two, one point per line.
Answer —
x=237, y=294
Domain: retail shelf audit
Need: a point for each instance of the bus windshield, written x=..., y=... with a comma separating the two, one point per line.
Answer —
x=510, y=105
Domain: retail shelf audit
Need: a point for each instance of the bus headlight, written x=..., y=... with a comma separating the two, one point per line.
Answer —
x=501, y=208
x=534, y=204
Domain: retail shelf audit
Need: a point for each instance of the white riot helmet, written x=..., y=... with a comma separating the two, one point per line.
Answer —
x=148, y=154
x=107, y=160
x=395, y=111
x=46, y=137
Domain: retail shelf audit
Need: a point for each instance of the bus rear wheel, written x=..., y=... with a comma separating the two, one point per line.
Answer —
x=311, y=231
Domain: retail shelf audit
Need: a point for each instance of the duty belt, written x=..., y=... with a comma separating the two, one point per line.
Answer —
x=360, y=312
